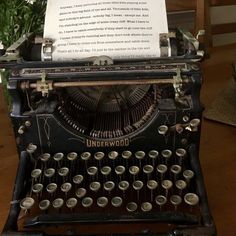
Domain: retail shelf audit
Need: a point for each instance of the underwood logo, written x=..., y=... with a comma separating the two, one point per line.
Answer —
x=115, y=143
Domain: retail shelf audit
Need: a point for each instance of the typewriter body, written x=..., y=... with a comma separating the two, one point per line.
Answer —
x=107, y=142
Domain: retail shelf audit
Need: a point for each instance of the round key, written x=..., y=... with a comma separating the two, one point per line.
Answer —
x=175, y=200
x=126, y=155
x=87, y=202
x=116, y=201
x=123, y=185
x=45, y=157
x=191, y=199
x=72, y=156
x=36, y=173
x=166, y=184
x=26, y=203
x=180, y=152
x=44, y=205
x=71, y=203
x=160, y=200
x=140, y=155
x=58, y=203
x=58, y=156
x=49, y=172
x=195, y=123
x=92, y=171
x=31, y=148
x=166, y=154
x=109, y=186
x=137, y=185
x=66, y=187
x=37, y=188
x=85, y=156
x=120, y=170
x=153, y=154
x=146, y=206
x=64, y=171
x=180, y=184
x=95, y=186
x=162, y=169
x=175, y=169
x=152, y=184
x=131, y=207
x=163, y=129
x=102, y=202
x=80, y=192
x=106, y=170
x=99, y=156
x=51, y=188
x=134, y=170
x=78, y=179
x=188, y=174
x=148, y=169
x=113, y=155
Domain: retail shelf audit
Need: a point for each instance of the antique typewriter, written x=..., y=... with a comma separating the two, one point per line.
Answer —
x=107, y=146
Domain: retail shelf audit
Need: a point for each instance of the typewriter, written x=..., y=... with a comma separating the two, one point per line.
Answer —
x=107, y=147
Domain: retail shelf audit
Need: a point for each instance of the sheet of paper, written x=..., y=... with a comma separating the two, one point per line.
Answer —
x=118, y=29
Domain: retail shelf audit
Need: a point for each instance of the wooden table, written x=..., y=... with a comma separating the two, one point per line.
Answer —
x=218, y=149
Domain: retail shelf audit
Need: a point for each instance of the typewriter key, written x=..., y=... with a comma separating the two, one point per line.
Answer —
x=99, y=156
x=148, y=169
x=195, y=123
x=109, y=186
x=45, y=157
x=163, y=129
x=36, y=173
x=58, y=203
x=71, y=203
x=175, y=170
x=87, y=202
x=116, y=201
x=37, y=188
x=92, y=171
x=134, y=170
x=102, y=202
x=85, y=156
x=153, y=154
x=152, y=185
x=63, y=172
x=95, y=186
x=137, y=185
x=51, y=188
x=72, y=156
x=161, y=169
x=58, y=156
x=126, y=155
x=181, y=185
x=181, y=153
x=26, y=203
x=49, y=172
x=188, y=175
x=175, y=200
x=167, y=185
x=31, y=148
x=120, y=170
x=113, y=155
x=123, y=186
x=106, y=170
x=131, y=207
x=66, y=187
x=44, y=205
x=161, y=201
x=140, y=156
x=191, y=199
x=146, y=206
x=80, y=192
x=77, y=179
x=167, y=155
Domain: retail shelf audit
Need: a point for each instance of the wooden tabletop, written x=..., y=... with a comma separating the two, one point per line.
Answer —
x=218, y=149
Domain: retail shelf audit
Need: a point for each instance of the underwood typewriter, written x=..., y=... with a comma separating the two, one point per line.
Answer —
x=111, y=144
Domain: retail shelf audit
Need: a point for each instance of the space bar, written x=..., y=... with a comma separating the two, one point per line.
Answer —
x=90, y=218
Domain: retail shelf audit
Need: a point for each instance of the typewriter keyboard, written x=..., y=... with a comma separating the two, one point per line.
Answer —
x=126, y=182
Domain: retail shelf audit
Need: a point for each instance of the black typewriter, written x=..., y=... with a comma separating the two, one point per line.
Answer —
x=107, y=146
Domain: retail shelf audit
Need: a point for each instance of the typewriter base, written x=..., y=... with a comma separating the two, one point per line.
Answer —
x=183, y=225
